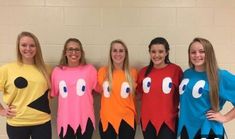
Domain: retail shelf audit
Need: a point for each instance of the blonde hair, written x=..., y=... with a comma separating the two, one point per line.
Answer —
x=38, y=58
x=211, y=68
x=64, y=59
x=125, y=67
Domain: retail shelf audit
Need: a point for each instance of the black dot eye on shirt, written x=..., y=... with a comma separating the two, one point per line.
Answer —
x=21, y=82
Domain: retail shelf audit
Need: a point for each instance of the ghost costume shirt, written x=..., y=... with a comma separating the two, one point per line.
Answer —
x=118, y=104
x=195, y=102
x=25, y=87
x=73, y=86
x=160, y=97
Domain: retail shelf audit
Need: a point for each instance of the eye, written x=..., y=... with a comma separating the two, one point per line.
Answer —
x=146, y=84
x=182, y=86
x=81, y=87
x=106, y=89
x=167, y=85
x=198, y=88
x=125, y=90
x=63, y=89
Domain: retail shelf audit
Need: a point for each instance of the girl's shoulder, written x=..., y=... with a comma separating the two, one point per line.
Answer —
x=103, y=68
x=143, y=69
x=90, y=66
x=133, y=69
x=11, y=65
x=173, y=65
x=225, y=73
x=57, y=68
x=188, y=70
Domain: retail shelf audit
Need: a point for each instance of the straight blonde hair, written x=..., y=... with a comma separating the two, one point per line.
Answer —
x=38, y=58
x=125, y=67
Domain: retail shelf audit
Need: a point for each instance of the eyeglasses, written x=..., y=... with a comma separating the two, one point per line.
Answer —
x=70, y=50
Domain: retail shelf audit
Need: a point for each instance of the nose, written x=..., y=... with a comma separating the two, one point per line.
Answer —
x=28, y=47
x=197, y=54
x=156, y=54
x=118, y=53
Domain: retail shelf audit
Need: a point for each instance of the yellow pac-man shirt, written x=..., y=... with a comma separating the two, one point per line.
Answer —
x=25, y=87
x=117, y=104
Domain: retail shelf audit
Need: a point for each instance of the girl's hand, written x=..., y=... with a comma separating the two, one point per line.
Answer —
x=216, y=116
x=8, y=112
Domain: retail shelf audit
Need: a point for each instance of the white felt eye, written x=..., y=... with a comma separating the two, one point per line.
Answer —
x=146, y=84
x=63, y=90
x=106, y=89
x=81, y=87
x=198, y=88
x=183, y=85
x=125, y=90
x=167, y=85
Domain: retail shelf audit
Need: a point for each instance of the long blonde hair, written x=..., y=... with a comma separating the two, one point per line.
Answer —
x=125, y=67
x=211, y=68
x=38, y=58
x=64, y=59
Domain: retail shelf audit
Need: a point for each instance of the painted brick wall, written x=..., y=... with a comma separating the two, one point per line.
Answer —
x=97, y=22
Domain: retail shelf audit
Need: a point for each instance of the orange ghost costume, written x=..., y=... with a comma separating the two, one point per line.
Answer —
x=119, y=104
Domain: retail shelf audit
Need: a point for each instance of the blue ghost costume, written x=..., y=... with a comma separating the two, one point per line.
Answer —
x=195, y=102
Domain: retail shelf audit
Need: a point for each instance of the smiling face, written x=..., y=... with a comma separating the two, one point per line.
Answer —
x=197, y=56
x=27, y=49
x=118, y=54
x=73, y=53
x=158, y=54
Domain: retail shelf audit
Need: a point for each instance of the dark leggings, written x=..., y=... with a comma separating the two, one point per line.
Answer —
x=71, y=135
x=212, y=135
x=164, y=133
x=125, y=131
x=42, y=131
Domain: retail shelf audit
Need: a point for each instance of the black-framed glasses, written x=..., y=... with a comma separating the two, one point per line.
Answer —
x=70, y=50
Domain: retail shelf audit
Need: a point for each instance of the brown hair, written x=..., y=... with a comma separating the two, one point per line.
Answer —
x=164, y=42
x=64, y=60
x=211, y=68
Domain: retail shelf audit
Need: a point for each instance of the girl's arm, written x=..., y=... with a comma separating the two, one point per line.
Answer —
x=217, y=116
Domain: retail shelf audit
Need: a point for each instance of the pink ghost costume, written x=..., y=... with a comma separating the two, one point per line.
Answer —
x=73, y=86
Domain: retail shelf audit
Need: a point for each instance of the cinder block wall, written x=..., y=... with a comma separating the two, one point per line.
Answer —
x=97, y=22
